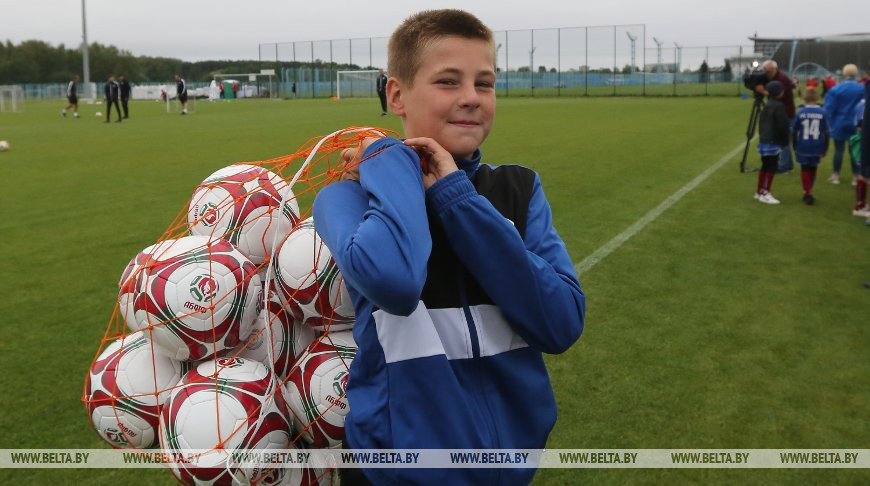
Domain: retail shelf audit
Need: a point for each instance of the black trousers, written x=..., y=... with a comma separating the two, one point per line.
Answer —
x=383, y=96
x=352, y=476
x=109, y=104
x=124, y=106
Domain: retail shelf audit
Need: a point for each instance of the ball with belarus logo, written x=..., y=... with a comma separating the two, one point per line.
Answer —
x=224, y=406
x=192, y=297
x=305, y=273
x=246, y=205
x=316, y=389
x=125, y=388
x=278, y=337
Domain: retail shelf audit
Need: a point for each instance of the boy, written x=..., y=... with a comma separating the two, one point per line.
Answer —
x=72, y=97
x=810, y=138
x=772, y=137
x=181, y=92
x=459, y=281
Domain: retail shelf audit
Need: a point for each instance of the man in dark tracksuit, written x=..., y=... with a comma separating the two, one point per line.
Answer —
x=381, y=86
x=125, y=93
x=112, y=90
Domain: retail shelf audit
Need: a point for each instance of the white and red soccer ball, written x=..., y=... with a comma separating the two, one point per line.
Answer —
x=305, y=273
x=126, y=387
x=247, y=205
x=316, y=389
x=278, y=337
x=222, y=406
x=193, y=297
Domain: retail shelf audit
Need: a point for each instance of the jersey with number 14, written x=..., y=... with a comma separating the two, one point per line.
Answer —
x=811, y=130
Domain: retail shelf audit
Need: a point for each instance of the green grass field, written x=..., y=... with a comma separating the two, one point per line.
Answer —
x=724, y=323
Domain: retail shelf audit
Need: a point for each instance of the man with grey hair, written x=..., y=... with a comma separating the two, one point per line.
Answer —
x=774, y=74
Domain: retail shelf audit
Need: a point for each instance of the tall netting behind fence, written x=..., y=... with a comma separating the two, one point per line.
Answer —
x=626, y=60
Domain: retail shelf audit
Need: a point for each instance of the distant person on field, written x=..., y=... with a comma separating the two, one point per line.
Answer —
x=810, y=136
x=459, y=280
x=293, y=89
x=865, y=140
x=813, y=82
x=181, y=90
x=773, y=128
x=840, y=103
x=125, y=94
x=861, y=114
x=774, y=74
x=112, y=91
x=827, y=83
x=72, y=97
x=381, y=87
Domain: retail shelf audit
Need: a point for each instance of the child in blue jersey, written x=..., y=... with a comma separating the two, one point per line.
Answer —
x=458, y=278
x=810, y=137
x=772, y=137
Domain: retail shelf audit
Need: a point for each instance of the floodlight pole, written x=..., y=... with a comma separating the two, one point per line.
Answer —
x=679, y=56
x=86, y=66
x=633, y=39
x=532, y=62
x=658, y=54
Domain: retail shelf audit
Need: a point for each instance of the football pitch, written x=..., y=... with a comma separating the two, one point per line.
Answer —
x=718, y=323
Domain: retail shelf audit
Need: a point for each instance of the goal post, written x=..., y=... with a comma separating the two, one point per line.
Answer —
x=11, y=99
x=357, y=83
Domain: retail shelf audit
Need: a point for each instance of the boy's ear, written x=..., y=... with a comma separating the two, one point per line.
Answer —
x=395, y=92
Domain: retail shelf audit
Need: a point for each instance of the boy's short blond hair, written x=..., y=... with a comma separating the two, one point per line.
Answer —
x=811, y=95
x=421, y=29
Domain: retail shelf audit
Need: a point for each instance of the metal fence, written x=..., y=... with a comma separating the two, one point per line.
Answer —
x=579, y=61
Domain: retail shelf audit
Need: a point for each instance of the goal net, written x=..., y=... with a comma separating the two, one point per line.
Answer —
x=11, y=99
x=356, y=84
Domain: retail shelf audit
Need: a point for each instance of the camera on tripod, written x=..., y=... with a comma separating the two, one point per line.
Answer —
x=755, y=78
x=751, y=80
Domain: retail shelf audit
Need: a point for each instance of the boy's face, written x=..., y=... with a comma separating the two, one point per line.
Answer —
x=452, y=99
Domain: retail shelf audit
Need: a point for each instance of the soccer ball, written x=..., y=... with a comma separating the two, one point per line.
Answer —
x=278, y=331
x=222, y=406
x=316, y=389
x=99, y=113
x=4, y=145
x=316, y=472
x=128, y=288
x=237, y=203
x=194, y=297
x=305, y=273
x=125, y=387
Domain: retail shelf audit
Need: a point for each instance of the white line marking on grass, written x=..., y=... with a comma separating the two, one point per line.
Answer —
x=617, y=241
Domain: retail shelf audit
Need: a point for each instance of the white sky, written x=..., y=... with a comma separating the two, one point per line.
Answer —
x=222, y=29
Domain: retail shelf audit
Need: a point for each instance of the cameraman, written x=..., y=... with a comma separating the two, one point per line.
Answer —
x=774, y=74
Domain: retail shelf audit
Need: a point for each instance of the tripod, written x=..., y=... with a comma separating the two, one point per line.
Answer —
x=757, y=106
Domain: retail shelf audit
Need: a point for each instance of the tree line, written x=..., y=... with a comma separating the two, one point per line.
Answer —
x=35, y=61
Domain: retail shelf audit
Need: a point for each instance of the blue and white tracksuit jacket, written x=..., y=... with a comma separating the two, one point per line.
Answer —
x=457, y=291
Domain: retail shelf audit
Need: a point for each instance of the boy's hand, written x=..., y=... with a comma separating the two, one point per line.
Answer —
x=351, y=171
x=439, y=162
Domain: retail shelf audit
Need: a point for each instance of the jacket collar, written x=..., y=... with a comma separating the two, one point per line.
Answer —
x=470, y=165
